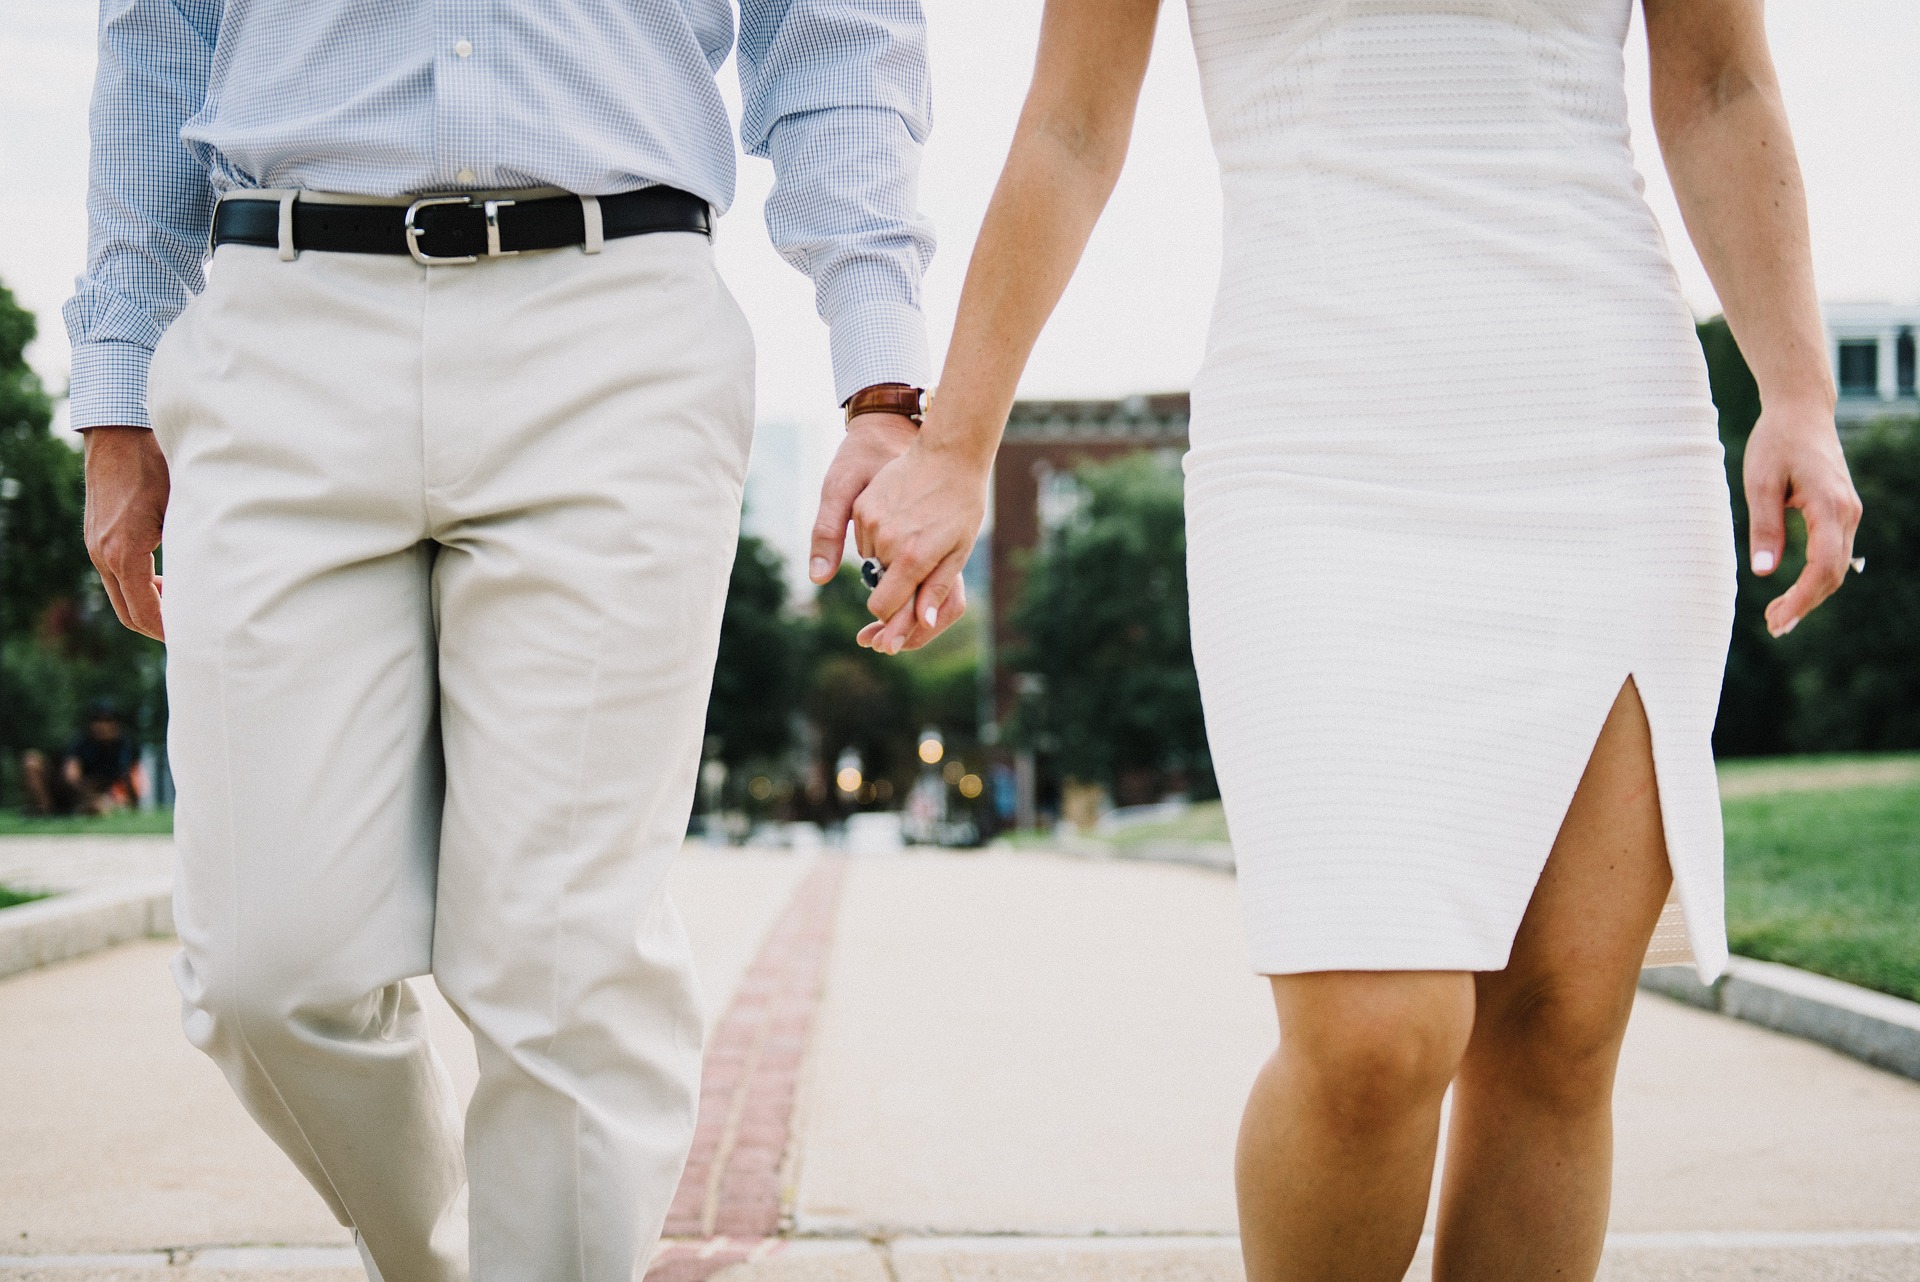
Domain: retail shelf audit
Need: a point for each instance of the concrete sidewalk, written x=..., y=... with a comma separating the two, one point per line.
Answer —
x=1022, y=1067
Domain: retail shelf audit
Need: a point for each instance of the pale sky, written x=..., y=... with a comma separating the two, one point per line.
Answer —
x=1135, y=317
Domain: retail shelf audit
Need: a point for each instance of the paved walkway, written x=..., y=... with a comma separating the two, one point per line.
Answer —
x=1022, y=1066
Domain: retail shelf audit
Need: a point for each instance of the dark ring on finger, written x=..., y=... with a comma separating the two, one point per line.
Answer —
x=870, y=572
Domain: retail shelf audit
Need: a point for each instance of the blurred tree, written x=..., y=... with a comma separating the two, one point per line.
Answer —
x=756, y=678
x=945, y=680
x=60, y=645
x=1103, y=614
x=1855, y=674
x=45, y=557
x=1756, y=695
x=857, y=698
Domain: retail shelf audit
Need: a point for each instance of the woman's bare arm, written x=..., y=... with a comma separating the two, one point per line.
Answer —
x=921, y=513
x=1723, y=130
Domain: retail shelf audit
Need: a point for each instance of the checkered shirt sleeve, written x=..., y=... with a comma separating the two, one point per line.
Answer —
x=149, y=202
x=844, y=134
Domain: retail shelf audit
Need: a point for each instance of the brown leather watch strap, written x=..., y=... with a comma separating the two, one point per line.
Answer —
x=886, y=398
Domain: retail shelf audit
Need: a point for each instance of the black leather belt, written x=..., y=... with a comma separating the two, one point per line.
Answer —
x=459, y=229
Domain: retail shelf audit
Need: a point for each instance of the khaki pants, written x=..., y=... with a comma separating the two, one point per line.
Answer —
x=445, y=562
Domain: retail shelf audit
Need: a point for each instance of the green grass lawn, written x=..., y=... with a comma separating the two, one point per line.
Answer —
x=124, y=824
x=1830, y=882
x=9, y=896
x=1202, y=821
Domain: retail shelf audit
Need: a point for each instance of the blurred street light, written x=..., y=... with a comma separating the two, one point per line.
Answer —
x=932, y=746
x=847, y=775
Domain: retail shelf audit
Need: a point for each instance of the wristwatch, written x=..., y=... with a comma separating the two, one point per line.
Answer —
x=887, y=398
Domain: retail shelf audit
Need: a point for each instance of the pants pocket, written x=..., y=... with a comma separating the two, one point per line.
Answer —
x=167, y=408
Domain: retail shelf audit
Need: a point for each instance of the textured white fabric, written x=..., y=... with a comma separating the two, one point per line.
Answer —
x=446, y=555
x=1454, y=476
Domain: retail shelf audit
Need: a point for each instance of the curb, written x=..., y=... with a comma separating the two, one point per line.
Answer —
x=70, y=925
x=1874, y=1028
x=1214, y=855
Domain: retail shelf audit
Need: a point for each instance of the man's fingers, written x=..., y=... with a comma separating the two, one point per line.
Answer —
x=134, y=590
x=1766, y=519
x=846, y=478
x=829, y=537
x=111, y=583
x=141, y=590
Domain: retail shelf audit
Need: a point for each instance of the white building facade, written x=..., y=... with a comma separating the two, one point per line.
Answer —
x=1872, y=348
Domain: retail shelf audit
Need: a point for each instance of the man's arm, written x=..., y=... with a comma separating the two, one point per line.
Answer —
x=148, y=207
x=835, y=94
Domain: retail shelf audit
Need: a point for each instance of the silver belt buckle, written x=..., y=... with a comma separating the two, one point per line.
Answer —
x=493, y=208
x=450, y=260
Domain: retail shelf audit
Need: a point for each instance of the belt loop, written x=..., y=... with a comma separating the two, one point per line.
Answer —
x=590, y=215
x=287, y=252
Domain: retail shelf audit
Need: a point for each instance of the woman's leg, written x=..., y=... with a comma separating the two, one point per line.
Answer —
x=1337, y=1147
x=1530, y=1144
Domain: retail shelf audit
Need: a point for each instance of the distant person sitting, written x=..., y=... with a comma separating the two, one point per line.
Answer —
x=98, y=773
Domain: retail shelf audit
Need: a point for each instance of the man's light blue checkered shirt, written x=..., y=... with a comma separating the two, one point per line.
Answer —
x=389, y=97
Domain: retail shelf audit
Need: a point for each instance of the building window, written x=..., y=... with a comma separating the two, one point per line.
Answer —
x=1859, y=367
x=1057, y=497
x=1903, y=361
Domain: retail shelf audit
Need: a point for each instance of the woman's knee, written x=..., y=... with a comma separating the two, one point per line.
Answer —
x=1374, y=1046
x=1555, y=1039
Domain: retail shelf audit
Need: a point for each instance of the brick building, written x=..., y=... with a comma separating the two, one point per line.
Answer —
x=1033, y=492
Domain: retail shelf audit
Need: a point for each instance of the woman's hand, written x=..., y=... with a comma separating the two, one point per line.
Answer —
x=1794, y=460
x=919, y=517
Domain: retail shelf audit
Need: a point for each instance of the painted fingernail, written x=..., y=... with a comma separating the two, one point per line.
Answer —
x=819, y=567
x=931, y=614
x=1786, y=627
x=1763, y=562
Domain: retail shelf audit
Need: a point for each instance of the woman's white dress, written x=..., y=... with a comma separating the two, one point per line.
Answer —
x=1454, y=475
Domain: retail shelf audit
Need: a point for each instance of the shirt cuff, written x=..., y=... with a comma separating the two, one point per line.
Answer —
x=108, y=385
x=878, y=342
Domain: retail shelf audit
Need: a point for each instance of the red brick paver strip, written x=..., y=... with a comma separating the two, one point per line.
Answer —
x=727, y=1209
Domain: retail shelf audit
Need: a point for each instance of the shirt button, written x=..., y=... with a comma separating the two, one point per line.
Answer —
x=465, y=175
x=463, y=47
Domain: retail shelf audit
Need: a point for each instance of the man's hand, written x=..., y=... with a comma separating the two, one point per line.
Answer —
x=872, y=441
x=127, y=490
